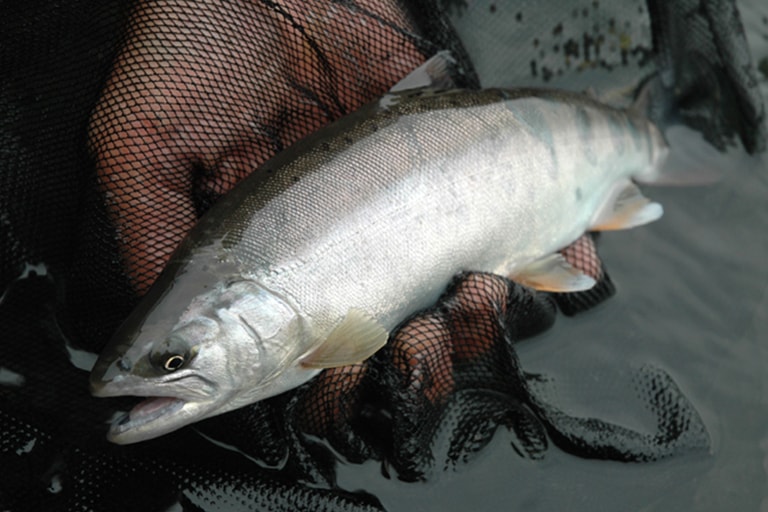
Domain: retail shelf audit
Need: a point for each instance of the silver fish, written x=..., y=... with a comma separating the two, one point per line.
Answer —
x=312, y=260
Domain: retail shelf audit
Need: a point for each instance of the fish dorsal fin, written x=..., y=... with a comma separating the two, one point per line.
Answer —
x=431, y=77
x=355, y=339
x=626, y=208
x=435, y=73
x=553, y=273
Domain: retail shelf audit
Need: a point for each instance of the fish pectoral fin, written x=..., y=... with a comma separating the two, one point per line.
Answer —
x=355, y=339
x=626, y=208
x=553, y=273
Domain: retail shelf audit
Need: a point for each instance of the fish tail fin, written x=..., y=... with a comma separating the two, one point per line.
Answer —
x=686, y=107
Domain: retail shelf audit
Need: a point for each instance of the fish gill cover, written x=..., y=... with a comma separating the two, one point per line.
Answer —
x=122, y=122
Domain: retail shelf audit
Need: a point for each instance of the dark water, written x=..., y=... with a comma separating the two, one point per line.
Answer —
x=692, y=300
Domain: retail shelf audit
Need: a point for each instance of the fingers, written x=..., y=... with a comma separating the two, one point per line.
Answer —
x=202, y=93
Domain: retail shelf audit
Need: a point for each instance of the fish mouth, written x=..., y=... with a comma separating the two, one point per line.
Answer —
x=142, y=415
x=163, y=407
x=156, y=416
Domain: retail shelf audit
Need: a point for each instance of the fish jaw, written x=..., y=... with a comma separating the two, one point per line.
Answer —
x=154, y=417
x=167, y=406
x=170, y=406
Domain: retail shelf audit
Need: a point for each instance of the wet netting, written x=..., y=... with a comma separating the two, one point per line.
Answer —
x=122, y=122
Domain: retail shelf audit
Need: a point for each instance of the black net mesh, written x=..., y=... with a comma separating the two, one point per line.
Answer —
x=164, y=149
x=194, y=102
x=122, y=122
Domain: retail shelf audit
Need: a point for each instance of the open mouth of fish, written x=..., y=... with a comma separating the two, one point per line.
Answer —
x=147, y=411
x=157, y=410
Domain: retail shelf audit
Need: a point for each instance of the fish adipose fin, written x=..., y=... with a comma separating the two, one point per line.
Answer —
x=626, y=208
x=582, y=255
x=553, y=273
x=355, y=339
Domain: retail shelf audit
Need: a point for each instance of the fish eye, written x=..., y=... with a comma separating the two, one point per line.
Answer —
x=170, y=361
x=171, y=355
x=173, y=362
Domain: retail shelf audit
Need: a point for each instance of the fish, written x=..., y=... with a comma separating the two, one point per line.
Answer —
x=311, y=261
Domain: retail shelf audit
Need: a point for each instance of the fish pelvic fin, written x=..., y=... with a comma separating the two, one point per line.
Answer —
x=553, y=273
x=355, y=339
x=582, y=254
x=625, y=208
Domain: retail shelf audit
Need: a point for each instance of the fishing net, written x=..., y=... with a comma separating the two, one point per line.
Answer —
x=122, y=122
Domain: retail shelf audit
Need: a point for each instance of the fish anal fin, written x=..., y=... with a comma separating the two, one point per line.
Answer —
x=355, y=339
x=626, y=208
x=553, y=273
x=582, y=255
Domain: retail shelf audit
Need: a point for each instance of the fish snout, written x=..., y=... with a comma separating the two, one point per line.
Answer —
x=105, y=375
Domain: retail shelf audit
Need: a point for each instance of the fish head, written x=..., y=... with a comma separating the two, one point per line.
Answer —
x=231, y=345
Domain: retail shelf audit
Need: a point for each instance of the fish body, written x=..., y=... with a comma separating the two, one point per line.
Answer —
x=313, y=259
